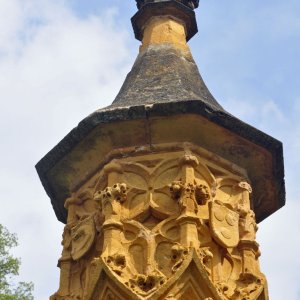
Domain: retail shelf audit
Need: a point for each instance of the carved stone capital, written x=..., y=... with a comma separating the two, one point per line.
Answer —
x=155, y=222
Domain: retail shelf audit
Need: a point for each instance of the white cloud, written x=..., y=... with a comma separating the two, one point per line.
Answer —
x=265, y=114
x=269, y=108
x=55, y=69
x=10, y=23
x=242, y=109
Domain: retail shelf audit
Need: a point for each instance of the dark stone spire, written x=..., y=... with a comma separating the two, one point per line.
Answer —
x=164, y=71
x=163, y=74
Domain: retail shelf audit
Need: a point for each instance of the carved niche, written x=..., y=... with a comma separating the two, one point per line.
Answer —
x=167, y=225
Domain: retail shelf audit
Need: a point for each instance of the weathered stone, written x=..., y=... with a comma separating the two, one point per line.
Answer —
x=161, y=191
x=164, y=74
x=164, y=218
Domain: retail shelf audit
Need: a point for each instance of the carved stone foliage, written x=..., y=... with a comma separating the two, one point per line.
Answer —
x=157, y=222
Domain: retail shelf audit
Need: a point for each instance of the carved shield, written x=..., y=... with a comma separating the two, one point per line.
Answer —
x=83, y=235
x=224, y=224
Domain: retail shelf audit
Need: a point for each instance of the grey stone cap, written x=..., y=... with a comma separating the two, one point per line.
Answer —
x=164, y=74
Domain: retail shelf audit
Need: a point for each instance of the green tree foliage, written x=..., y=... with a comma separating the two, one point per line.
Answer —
x=9, y=268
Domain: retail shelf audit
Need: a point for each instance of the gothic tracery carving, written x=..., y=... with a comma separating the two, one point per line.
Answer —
x=147, y=219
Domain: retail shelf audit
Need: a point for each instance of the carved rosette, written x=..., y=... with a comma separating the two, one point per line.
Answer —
x=155, y=222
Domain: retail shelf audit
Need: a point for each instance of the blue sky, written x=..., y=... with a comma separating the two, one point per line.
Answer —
x=61, y=60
